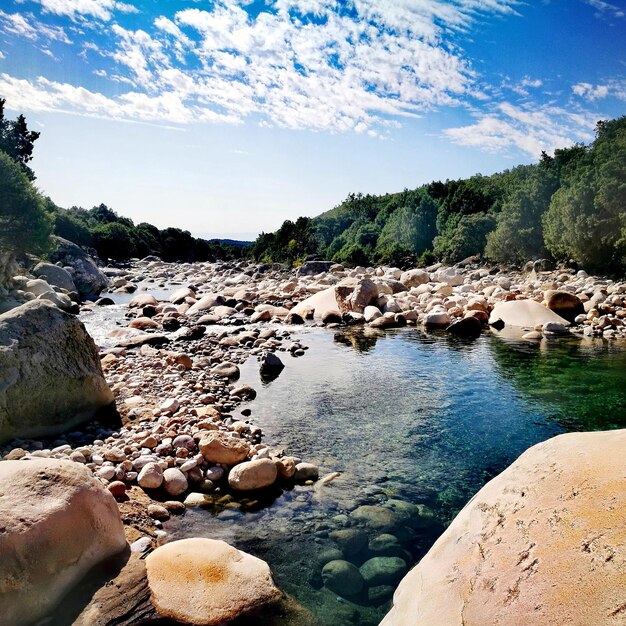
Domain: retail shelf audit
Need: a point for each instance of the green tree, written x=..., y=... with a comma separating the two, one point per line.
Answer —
x=17, y=141
x=24, y=223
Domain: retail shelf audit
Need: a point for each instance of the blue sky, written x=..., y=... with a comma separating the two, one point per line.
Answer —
x=226, y=118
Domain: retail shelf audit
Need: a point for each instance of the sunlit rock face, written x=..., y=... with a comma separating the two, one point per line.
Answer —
x=543, y=543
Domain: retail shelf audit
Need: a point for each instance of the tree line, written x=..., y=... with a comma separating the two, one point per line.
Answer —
x=568, y=206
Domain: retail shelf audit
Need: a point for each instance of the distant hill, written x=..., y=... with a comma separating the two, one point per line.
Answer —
x=231, y=242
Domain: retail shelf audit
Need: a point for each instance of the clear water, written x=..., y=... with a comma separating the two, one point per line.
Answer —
x=404, y=416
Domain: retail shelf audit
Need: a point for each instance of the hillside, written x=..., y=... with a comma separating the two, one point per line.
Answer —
x=570, y=205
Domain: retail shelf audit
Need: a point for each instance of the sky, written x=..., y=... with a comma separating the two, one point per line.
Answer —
x=226, y=118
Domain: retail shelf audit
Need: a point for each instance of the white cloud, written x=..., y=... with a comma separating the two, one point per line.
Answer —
x=27, y=26
x=590, y=92
x=74, y=9
x=529, y=128
x=605, y=8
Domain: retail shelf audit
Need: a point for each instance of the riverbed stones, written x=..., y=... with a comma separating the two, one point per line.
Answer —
x=349, y=540
x=542, y=543
x=206, y=582
x=270, y=365
x=383, y=570
x=376, y=517
x=150, y=476
x=306, y=471
x=174, y=481
x=57, y=523
x=566, y=305
x=226, y=370
x=342, y=578
x=51, y=373
x=220, y=447
x=253, y=475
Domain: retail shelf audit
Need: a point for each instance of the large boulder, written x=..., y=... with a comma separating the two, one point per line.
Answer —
x=524, y=313
x=88, y=278
x=55, y=275
x=220, y=447
x=356, y=297
x=565, y=304
x=543, y=543
x=414, y=278
x=319, y=306
x=206, y=581
x=56, y=523
x=50, y=373
x=311, y=268
x=253, y=475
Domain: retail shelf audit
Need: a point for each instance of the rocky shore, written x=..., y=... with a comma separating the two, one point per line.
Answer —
x=179, y=435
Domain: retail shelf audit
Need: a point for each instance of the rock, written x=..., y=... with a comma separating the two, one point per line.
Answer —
x=380, y=594
x=383, y=570
x=174, y=481
x=57, y=523
x=312, y=268
x=88, y=278
x=38, y=287
x=466, y=327
x=566, y=305
x=286, y=467
x=319, y=306
x=349, y=540
x=306, y=471
x=198, y=500
x=356, y=297
x=142, y=300
x=524, y=313
x=385, y=545
x=542, y=543
x=414, y=278
x=328, y=555
x=437, y=319
x=51, y=373
x=253, y=475
x=371, y=313
x=117, y=488
x=219, y=447
x=207, y=302
x=226, y=370
x=156, y=511
x=245, y=392
x=449, y=276
x=554, y=328
x=270, y=365
x=342, y=578
x=377, y=518
x=170, y=405
x=150, y=476
x=55, y=275
x=180, y=295
x=141, y=545
x=143, y=323
x=205, y=581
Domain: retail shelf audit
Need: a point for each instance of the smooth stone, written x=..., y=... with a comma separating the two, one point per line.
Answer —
x=219, y=447
x=342, y=578
x=174, y=481
x=253, y=475
x=383, y=570
x=207, y=582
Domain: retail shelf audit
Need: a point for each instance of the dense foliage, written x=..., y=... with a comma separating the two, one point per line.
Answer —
x=569, y=206
x=24, y=222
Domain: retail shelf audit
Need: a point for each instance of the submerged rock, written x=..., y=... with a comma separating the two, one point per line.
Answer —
x=342, y=577
x=542, y=543
x=56, y=523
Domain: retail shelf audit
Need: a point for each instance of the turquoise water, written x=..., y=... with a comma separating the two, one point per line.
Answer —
x=408, y=419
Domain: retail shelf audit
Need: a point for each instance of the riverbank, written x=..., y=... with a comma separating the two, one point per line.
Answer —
x=167, y=386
